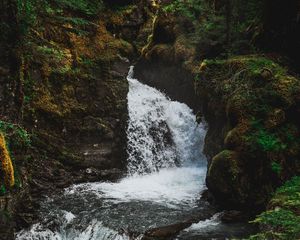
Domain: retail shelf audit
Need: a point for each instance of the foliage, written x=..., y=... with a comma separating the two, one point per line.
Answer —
x=288, y=195
x=2, y=190
x=30, y=11
x=73, y=20
x=188, y=8
x=256, y=65
x=26, y=14
x=284, y=225
x=50, y=51
x=282, y=222
x=245, y=18
x=17, y=136
x=263, y=139
x=269, y=142
x=233, y=24
x=13, y=139
x=87, y=7
x=276, y=167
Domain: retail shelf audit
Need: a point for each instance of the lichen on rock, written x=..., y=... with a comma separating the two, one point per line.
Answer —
x=7, y=168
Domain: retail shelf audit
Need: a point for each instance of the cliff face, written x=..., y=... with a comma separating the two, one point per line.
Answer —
x=63, y=79
x=250, y=103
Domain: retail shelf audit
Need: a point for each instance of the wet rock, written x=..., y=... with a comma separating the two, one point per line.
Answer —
x=233, y=216
x=207, y=196
x=166, y=232
x=233, y=139
x=275, y=118
x=164, y=31
x=222, y=177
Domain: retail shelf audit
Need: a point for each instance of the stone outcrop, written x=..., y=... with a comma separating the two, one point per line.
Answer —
x=65, y=83
x=250, y=103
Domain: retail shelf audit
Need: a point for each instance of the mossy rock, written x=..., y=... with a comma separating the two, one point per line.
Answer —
x=233, y=139
x=261, y=102
x=223, y=177
x=164, y=52
x=275, y=118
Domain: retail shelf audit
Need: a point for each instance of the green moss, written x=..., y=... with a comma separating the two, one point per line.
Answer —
x=16, y=136
x=250, y=87
x=257, y=64
x=259, y=138
x=283, y=220
x=257, y=96
x=2, y=190
x=285, y=224
x=252, y=64
x=288, y=195
x=282, y=139
x=268, y=142
x=224, y=171
x=276, y=167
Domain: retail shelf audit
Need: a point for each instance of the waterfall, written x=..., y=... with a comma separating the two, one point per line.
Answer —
x=166, y=174
x=161, y=133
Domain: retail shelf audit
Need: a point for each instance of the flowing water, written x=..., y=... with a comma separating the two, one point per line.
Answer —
x=166, y=175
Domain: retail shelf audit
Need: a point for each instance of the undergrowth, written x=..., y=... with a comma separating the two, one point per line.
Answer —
x=17, y=137
x=30, y=11
x=283, y=221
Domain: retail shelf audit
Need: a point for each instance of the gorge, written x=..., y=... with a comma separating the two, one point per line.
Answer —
x=200, y=138
x=165, y=178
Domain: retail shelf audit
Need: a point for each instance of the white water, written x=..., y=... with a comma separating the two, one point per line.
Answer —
x=161, y=133
x=211, y=222
x=95, y=231
x=166, y=172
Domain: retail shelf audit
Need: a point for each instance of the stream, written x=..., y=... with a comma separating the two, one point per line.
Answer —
x=166, y=172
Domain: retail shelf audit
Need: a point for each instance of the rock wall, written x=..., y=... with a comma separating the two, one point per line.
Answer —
x=65, y=95
x=250, y=103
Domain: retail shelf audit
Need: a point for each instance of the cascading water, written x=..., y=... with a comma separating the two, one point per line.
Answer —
x=161, y=133
x=166, y=173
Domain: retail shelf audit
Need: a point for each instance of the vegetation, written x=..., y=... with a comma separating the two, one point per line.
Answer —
x=263, y=139
x=191, y=8
x=17, y=136
x=57, y=65
x=282, y=222
x=235, y=24
x=6, y=170
x=32, y=11
x=13, y=139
